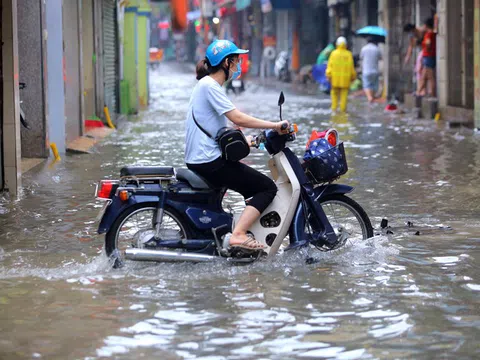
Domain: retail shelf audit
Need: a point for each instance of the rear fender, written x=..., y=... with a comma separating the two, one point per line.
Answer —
x=117, y=207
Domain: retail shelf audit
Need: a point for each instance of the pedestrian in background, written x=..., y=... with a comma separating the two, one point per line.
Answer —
x=416, y=34
x=340, y=72
x=429, y=52
x=370, y=55
x=325, y=53
x=415, y=40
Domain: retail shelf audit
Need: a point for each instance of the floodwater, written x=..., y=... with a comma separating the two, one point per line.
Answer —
x=399, y=296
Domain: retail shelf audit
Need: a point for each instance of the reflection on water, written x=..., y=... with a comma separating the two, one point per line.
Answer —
x=397, y=296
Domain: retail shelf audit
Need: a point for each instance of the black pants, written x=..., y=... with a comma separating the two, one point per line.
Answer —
x=240, y=178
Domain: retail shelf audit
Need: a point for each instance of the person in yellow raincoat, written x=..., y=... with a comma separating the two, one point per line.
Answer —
x=340, y=72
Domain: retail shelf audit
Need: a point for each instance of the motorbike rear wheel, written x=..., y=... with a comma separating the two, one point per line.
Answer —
x=135, y=224
x=343, y=213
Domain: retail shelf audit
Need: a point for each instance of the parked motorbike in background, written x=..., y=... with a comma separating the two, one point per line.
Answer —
x=237, y=86
x=23, y=119
x=282, y=67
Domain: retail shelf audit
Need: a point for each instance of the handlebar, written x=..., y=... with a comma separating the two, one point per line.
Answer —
x=260, y=140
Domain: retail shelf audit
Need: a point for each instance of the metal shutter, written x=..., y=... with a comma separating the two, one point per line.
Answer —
x=110, y=58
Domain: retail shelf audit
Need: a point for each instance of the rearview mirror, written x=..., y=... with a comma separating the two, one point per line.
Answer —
x=281, y=99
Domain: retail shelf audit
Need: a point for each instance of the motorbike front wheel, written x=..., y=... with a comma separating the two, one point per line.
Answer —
x=134, y=227
x=343, y=213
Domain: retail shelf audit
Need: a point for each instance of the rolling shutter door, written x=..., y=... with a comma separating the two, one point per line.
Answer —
x=110, y=58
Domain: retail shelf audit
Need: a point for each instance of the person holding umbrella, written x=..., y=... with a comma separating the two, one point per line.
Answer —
x=377, y=33
x=370, y=55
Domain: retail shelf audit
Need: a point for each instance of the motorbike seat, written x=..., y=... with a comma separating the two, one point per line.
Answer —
x=147, y=171
x=193, y=179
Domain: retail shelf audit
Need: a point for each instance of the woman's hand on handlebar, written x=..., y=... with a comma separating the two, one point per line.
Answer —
x=282, y=127
x=251, y=140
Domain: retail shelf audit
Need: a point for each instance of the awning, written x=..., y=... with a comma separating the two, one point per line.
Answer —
x=179, y=14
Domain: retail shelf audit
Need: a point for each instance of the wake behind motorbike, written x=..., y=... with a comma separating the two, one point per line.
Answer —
x=168, y=214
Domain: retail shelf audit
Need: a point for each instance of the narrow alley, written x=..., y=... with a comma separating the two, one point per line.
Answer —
x=413, y=296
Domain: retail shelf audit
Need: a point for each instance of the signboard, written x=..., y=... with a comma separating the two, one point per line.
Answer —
x=242, y=4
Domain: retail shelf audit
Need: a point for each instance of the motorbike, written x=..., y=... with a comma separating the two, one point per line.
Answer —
x=281, y=68
x=174, y=215
x=23, y=119
x=237, y=86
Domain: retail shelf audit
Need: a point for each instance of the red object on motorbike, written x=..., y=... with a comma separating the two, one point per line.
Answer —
x=331, y=135
x=105, y=190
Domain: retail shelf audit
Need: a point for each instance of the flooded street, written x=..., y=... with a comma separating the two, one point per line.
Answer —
x=400, y=296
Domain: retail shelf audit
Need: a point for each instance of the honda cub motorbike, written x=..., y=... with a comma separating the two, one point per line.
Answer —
x=168, y=214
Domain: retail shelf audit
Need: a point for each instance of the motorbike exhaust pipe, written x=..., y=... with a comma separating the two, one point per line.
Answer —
x=166, y=256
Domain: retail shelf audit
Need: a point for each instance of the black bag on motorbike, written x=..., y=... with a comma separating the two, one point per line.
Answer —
x=232, y=142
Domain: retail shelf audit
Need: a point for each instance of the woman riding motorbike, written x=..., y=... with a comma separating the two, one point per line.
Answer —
x=210, y=107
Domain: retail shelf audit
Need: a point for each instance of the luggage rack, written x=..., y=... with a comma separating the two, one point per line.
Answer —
x=148, y=175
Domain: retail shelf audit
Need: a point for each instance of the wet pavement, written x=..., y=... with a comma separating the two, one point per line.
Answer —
x=400, y=296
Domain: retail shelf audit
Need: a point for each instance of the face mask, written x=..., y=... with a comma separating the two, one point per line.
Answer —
x=237, y=73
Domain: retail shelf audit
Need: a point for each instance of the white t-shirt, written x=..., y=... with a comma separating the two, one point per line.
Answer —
x=370, y=56
x=209, y=103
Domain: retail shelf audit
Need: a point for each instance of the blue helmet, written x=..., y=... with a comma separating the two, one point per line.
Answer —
x=220, y=49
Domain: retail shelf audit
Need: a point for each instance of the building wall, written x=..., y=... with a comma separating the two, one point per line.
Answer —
x=72, y=78
x=30, y=55
x=468, y=48
x=283, y=30
x=423, y=10
x=442, y=56
x=11, y=109
x=88, y=51
x=130, y=60
x=313, y=31
x=55, y=88
x=476, y=46
x=396, y=13
x=257, y=39
x=360, y=12
x=455, y=59
x=142, y=48
x=1, y=109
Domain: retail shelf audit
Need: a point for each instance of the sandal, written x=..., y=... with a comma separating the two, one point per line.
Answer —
x=250, y=244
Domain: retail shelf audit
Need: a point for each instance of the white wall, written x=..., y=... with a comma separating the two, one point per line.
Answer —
x=55, y=93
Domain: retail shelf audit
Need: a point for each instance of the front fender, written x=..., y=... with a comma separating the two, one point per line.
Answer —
x=117, y=207
x=330, y=189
